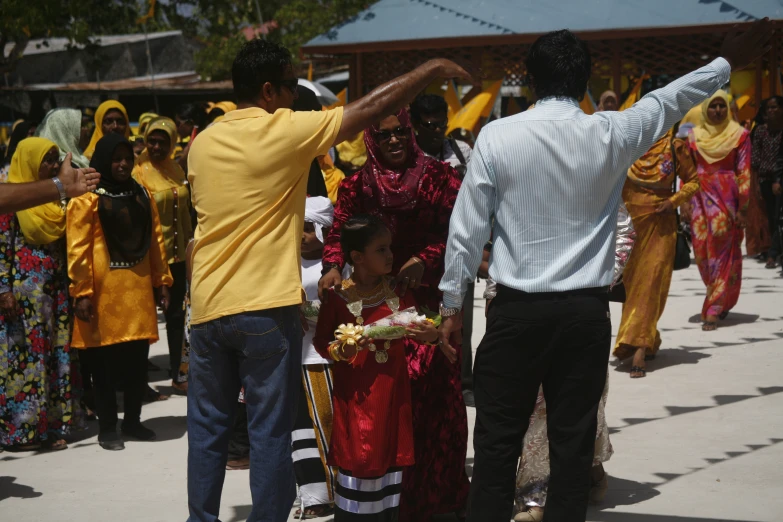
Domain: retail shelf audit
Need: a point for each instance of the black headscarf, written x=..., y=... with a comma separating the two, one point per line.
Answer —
x=123, y=207
x=307, y=101
x=20, y=133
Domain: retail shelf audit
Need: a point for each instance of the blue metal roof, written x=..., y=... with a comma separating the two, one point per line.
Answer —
x=390, y=20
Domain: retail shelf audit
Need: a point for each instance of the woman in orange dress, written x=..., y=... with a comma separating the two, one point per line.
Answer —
x=118, y=270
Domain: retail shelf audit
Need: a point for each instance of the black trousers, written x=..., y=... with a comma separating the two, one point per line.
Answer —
x=772, y=204
x=561, y=340
x=118, y=367
x=467, y=332
x=239, y=444
x=175, y=317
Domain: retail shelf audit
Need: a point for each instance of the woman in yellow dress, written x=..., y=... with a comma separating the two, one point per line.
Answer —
x=110, y=118
x=164, y=179
x=118, y=270
x=652, y=201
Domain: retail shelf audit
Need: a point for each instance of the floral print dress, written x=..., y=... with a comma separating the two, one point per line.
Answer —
x=717, y=236
x=35, y=357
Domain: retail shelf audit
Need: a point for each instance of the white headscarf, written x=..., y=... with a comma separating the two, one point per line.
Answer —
x=320, y=212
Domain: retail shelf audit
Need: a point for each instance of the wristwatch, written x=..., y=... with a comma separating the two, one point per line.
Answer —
x=448, y=312
x=61, y=190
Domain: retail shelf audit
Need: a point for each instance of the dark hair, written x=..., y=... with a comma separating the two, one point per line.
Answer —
x=761, y=115
x=427, y=104
x=558, y=64
x=214, y=113
x=358, y=232
x=194, y=112
x=259, y=61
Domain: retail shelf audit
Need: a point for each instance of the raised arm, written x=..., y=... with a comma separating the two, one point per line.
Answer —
x=394, y=95
x=648, y=120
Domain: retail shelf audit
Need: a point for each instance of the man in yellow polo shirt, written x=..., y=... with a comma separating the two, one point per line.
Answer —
x=248, y=175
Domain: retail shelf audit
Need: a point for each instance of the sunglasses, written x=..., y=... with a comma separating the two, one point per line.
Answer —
x=291, y=84
x=435, y=125
x=401, y=133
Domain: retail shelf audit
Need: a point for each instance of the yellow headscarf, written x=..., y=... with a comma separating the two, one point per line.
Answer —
x=353, y=151
x=145, y=120
x=165, y=175
x=715, y=142
x=693, y=116
x=43, y=224
x=226, y=106
x=103, y=108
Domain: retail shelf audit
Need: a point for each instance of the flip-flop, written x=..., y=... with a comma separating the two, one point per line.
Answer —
x=638, y=369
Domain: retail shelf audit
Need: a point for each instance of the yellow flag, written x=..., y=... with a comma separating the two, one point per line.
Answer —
x=341, y=99
x=478, y=107
x=452, y=99
x=635, y=94
x=310, y=72
x=150, y=14
x=587, y=104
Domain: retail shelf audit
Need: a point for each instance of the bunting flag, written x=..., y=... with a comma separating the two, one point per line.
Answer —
x=480, y=106
x=635, y=93
x=587, y=104
x=310, y=72
x=452, y=99
x=342, y=98
x=150, y=14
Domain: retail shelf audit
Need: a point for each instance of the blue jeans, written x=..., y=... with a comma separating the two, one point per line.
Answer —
x=261, y=351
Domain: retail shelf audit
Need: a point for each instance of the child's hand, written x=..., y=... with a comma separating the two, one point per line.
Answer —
x=424, y=333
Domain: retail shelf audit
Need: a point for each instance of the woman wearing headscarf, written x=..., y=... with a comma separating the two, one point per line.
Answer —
x=414, y=195
x=64, y=128
x=110, y=118
x=35, y=370
x=157, y=172
x=652, y=200
x=767, y=139
x=608, y=102
x=118, y=270
x=21, y=130
x=721, y=147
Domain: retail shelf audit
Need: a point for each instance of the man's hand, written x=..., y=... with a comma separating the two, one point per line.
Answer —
x=8, y=305
x=84, y=311
x=329, y=280
x=410, y=275
x=448, y=326
x=665, y=208
x=450, y=70
x=776, y=189
x=740, y=49
x=77, y=181
x=162, y=298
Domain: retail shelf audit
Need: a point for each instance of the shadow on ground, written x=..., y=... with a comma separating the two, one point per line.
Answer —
x=733, y=319
x=168, y=428
x=10, y=489
x=624, y=492
x=665, y=358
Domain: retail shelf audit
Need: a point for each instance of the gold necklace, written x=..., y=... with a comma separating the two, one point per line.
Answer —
x=355, y=306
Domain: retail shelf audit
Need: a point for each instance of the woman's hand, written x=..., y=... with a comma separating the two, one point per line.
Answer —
x=776, y=189
x=162, y=298
x=329, y=280
x=410, y=275
x=84, y=311
x=8, y=305
x=426, y=332
x=486, y=308
x=665, y=208
x=349, y=351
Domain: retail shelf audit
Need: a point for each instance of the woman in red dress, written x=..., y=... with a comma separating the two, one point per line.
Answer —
x=414, y=195
x=372, y=434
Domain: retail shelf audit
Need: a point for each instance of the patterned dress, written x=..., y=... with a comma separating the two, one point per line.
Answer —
x=36, y=399
x=717, y=238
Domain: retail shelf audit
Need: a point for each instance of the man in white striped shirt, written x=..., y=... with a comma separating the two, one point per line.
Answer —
x=552, y=177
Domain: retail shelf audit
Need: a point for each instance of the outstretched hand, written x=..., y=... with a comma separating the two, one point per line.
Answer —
x=741, y=48
x=77, y=181
x=329, y=280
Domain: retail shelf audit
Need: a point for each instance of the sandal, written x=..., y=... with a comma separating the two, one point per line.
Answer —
x=709, y=326
x=151, y=395
x=55, y=445
x=637, y=372
x=317, y=511
x=771, y=264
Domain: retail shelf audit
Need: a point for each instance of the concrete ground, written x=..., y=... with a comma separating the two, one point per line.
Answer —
x=699, y=440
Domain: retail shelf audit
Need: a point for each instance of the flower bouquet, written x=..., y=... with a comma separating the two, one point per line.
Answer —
x=394, y=326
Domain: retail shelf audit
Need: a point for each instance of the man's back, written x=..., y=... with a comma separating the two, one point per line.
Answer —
x=249, y=175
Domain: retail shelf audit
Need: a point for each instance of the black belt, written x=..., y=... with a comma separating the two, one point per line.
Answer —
x=602, y=291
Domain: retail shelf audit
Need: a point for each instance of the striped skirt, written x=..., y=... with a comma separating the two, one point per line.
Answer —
x=311, y=436
x=368, y=499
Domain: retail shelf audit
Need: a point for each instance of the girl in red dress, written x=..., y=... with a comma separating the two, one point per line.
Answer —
x=372, y=437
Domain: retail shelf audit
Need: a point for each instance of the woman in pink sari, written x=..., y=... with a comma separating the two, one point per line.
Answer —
x=722, y=151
